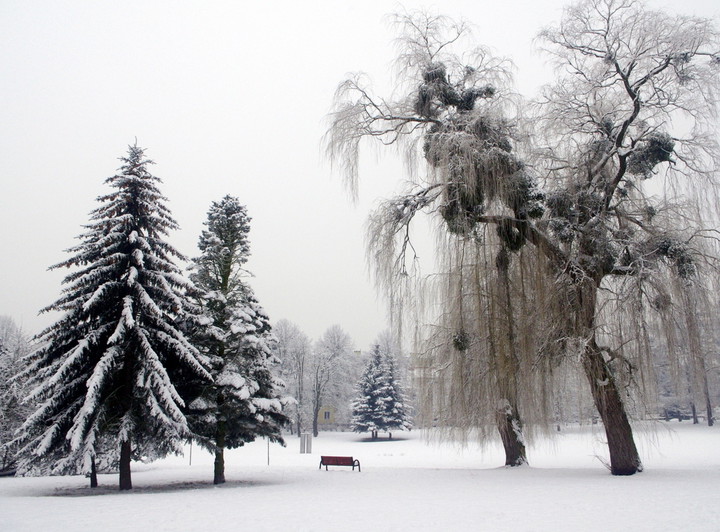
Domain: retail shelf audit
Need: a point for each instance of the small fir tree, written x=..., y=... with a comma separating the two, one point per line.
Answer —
x=107, y=374
x=244, y=400
x=381, y=401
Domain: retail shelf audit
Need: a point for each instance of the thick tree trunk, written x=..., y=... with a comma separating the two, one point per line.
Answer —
x=219, y=477
x=93, y=474
x=125, y=453
x=511, y=434
x=624, y=457
x=219, y=470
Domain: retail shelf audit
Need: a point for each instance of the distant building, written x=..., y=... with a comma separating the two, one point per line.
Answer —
x=327, y=415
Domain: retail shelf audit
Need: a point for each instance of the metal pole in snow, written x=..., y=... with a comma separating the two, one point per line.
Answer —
x=268, y=451
x=190, y=453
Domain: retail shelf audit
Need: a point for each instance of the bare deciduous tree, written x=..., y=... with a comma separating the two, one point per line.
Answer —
x=326, y=365
x=294, y=351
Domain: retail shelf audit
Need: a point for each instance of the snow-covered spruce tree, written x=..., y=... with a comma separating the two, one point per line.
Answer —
x=535, y=259
x=398, y=412
x=243, y=402
x=367, y=407
x=107, y=373
x=381, y=403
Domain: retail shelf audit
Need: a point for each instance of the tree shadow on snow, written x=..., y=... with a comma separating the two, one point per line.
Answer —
x=168, y=487
x=382, y=439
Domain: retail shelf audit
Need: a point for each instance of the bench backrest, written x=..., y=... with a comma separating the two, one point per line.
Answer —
x=337, y=460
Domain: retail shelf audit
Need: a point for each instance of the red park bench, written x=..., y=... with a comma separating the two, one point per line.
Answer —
x=339, y=461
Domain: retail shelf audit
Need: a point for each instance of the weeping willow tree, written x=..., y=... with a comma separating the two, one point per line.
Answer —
x=479, y=361
x=545, y=240
x=631, y=147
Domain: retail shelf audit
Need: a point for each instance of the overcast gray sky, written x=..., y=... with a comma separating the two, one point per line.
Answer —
x=228, y=97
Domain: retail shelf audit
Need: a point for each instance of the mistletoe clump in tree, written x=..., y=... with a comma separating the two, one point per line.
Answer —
x=547, y=243
x=243, y=402
x=381, y=403
x=107, y=374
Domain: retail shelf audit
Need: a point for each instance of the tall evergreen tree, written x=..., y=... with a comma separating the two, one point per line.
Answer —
x=107, y=373
x=381, y=403
x=244, y=400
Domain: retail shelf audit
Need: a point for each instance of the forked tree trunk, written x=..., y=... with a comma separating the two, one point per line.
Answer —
x=624, y=457
x=693, y=409
x=125, y=478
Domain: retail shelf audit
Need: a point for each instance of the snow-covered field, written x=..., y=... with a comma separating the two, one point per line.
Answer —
x=405, y=484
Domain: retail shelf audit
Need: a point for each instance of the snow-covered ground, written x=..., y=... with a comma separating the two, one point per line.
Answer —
x=405, y=484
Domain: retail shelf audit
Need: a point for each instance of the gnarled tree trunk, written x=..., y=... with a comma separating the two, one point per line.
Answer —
x=510, y=429
x=624, y=457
